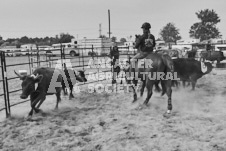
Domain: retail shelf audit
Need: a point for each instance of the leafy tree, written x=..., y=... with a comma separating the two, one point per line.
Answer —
x=1, y=42
x=123, y=40
x=24, y=40
x=65, y=38
x=206, y=28
x=170, y=33
x=10, y=40
x=6, y=43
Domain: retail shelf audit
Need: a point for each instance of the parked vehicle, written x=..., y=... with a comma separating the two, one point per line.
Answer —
x=68, y=49
x=222, y=48
x=13, y=53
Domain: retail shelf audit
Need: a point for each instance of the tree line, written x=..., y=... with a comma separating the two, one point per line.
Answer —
x=61, y=38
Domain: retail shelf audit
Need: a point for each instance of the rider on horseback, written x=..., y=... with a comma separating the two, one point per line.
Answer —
x=146, y=43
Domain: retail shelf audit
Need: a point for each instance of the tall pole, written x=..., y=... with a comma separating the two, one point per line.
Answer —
x=99, y=30
x=109, y=24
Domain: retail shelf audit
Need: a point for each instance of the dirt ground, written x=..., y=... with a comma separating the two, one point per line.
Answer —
x=110, y=122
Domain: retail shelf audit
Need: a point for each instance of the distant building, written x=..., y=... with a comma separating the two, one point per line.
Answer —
x=100, y=45
x=64, y=45
x=160, y=44
x=29, y=46
x=11, y=50
x=187, y=42
x=218, y=41
x=127, y=46
x=44, y=47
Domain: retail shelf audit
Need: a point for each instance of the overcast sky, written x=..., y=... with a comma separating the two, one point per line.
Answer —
x=81, y=18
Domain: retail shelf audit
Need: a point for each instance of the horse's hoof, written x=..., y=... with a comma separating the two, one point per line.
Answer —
x=145, y=103
x=113, y=81
x=37, y=110
x=135, y=97
x=134, y=100
x=71, y=97
x=167, y=114
x=28, y=118
x=162, y=94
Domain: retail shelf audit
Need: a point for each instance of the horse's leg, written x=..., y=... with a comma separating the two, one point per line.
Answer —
x=134, y=90
x=118, y=71
x=177, y=84
x=183, y=81
x=163, y=84
x=149, y=86
x=71, y=90
x=193, y=82
x=114, y=76
x=58, y=99
x=157, y=88
x=169, y=95
x=142, y=88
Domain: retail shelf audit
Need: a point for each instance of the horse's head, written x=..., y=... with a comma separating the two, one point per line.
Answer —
x=137, y=41
x=137, y=38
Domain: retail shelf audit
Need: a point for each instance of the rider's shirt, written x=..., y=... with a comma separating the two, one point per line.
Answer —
x=147, y=43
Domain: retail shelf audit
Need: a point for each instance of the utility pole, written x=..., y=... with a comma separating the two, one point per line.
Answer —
x=109, y=24
x=99, y=30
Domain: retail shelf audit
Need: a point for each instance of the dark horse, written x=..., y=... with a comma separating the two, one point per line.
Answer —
x=160, y=64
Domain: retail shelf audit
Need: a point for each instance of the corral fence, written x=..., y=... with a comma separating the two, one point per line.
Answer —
x=11, y=86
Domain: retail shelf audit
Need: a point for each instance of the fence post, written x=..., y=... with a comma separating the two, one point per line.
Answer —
x=79, y=52
x=128, y=51
x=31, y=57
x=38, y=56
x=61, y=56
x=83, y=58
x=3, y=81
x=5, y=84
x=92, y=53
x=134, y=52
x=29, y=60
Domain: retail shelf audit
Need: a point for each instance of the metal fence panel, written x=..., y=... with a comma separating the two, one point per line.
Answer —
x=37, y=58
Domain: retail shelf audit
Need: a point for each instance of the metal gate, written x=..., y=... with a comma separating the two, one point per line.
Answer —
x=34, y=60
x=4, y=81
